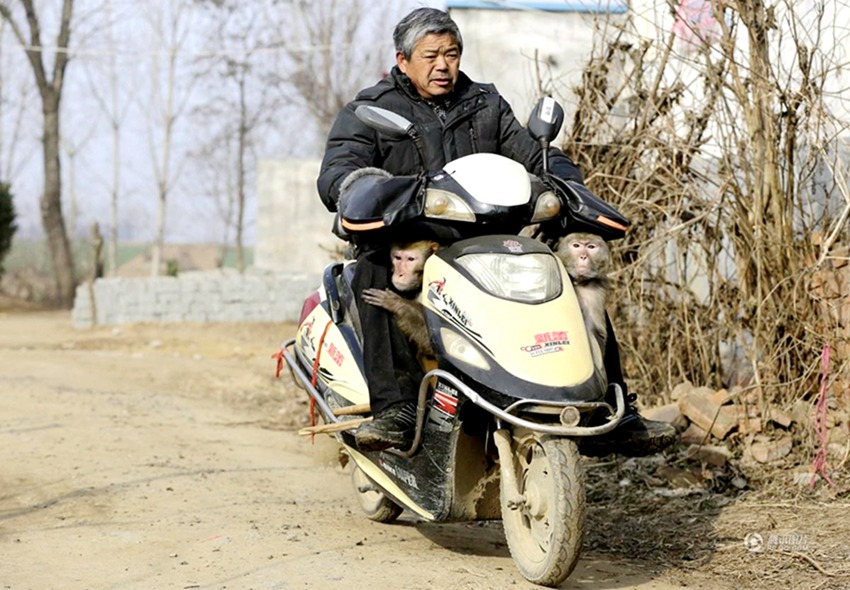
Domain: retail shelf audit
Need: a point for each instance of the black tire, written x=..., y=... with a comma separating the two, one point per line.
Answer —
x=545, y=532
x=374, y=503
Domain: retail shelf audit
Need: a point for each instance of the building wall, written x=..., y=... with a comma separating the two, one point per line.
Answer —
x=500, y=47
x=293, y=226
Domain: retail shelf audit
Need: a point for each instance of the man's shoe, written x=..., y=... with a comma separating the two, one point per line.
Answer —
x=634, y=436
x=392, y=427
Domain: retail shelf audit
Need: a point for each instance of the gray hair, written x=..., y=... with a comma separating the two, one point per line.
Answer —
x=421, y=22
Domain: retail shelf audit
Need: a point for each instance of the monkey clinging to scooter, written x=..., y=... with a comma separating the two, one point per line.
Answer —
x=587, y=258
x=408, y=262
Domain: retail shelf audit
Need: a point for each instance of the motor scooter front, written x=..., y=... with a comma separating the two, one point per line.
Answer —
x=516, y=378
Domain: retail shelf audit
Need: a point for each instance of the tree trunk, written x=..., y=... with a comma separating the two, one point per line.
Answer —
x=50, y=89
x=51, y=203
x=112, y=248
x=240, y=189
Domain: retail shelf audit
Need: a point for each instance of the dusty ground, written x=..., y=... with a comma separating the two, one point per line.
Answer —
x=164, y=457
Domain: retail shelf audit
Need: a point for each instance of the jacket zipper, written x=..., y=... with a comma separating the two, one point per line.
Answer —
x=473, y=140
x=453, y=121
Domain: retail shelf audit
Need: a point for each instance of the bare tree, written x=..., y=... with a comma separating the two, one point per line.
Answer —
x=50, y=82
x=244, y=97
x=170, y=94
x=16, y=94
x=727, y=157
x=215, y=168
x=72, y=147
x=114, y=103
x=334, y=49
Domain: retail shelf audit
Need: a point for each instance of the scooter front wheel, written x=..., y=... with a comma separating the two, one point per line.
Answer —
x=375, y=504
x=544, y=524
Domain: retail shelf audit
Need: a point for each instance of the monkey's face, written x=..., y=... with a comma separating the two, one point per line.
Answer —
x=408, y=263
x=585, y=256
x=407, y=268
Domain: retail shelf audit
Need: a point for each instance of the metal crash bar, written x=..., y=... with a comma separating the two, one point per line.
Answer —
x=510, y=418
x=505, y=415
x=326, y=410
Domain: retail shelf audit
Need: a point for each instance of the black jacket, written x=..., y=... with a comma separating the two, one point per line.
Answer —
x=474, y=119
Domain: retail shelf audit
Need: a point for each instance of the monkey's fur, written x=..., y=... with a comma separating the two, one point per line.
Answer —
x=587, y=258
x=408, y=262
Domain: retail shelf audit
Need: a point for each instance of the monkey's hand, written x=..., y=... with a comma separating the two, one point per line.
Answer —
x=382, y=298
x=408, y=315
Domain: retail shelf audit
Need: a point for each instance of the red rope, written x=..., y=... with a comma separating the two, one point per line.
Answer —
x=314, y=379
x=279, y=356
x=821, y=431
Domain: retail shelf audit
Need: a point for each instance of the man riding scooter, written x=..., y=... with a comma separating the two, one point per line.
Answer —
x=454, y=117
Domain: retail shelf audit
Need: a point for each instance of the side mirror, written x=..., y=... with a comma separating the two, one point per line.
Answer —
x=387, y=122
x=544, y=124
x=546, y=120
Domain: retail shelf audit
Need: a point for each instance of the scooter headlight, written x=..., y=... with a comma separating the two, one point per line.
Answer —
x=461, y=349
x=548, y=206
x=441, y=204
x=529, y=278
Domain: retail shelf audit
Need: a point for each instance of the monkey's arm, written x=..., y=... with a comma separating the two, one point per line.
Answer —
x=411, y=320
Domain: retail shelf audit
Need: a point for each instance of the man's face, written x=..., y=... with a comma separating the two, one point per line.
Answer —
x=433, y=65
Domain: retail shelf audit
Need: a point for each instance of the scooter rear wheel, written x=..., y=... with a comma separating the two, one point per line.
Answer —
x=544, y=532
x=375, y=504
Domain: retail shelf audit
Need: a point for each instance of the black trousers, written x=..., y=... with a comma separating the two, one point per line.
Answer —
x=392, y=371
x=611, y=360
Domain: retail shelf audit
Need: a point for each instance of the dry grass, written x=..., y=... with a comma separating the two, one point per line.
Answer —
x=728, y=162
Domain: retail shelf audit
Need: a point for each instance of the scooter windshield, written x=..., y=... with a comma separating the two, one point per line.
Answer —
x=527, y=278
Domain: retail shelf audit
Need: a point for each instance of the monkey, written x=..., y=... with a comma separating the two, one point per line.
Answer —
x=408, y=262
x=587, y=258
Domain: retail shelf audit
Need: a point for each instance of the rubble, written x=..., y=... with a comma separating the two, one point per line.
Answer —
x=680, y=390
x=723, y=429
x=669, y=413
x=766, y=451
x=801, y=413
x=711, y=454
x=705, y=412
x=693, y=434
x=779, y=417
x=666, y=413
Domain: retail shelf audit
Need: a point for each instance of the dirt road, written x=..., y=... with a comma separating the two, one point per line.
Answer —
x=157, y=457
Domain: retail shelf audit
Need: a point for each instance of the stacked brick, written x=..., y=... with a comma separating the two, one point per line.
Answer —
x=209, y=296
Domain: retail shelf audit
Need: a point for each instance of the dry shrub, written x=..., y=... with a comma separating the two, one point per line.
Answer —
x=724, y=154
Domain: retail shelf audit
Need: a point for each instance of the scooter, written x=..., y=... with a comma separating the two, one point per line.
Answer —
x=516, y=378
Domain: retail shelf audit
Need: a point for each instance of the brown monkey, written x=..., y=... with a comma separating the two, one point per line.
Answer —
x=586, y=258
x=408, y=262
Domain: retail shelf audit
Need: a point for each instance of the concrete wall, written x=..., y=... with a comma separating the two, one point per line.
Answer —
x=500, y=47
x=209, y=296
x=293, y=227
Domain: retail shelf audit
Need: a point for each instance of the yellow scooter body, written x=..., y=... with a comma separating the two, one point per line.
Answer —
x=532, y=351
x=542, y=348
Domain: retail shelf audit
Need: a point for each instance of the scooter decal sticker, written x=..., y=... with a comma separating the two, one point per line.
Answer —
x=445, y=304
x=335, y=354
x=400, y=474
x=307, y=338
x=445, y=399
x=547, y=343
x=513, y=246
